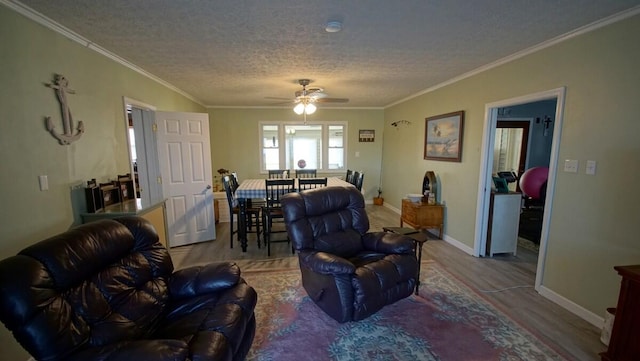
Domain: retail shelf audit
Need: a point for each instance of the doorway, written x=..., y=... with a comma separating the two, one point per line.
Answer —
x=486, y=168
x=511, y=148
x=143, y=158
x=176, y=145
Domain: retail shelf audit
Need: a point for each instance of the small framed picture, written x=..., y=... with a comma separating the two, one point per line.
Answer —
x=367, y=135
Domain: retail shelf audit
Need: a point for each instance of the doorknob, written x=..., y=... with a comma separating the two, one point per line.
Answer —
x=208, y=186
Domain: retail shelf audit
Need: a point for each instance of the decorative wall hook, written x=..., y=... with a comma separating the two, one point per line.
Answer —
x=61, y=86
x=400, y=122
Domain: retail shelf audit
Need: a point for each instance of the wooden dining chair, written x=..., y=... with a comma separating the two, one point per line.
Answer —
x=357, y=180
x=306, y=173
x=311, y=183
x=235, y=183
x=349, y=176
x=253, y=213
x=278, y=173
x=275, y=189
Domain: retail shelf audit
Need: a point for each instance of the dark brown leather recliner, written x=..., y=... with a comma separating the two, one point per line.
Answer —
x=348, y=272
x=107, y=291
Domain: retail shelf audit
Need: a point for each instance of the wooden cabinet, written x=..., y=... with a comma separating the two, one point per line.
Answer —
x=504, y=221
x=157, y=218
x=153, y=212
x=222, y=212
x=422, y=215
x=625, y=334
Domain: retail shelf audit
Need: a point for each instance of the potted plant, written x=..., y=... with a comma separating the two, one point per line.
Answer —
x=378, y=201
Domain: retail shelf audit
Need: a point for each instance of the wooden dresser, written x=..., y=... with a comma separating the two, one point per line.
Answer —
x=624, y=345
x=422, y=215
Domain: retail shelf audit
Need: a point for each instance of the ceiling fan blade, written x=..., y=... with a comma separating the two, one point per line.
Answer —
x=278, y=98
x=332, y=100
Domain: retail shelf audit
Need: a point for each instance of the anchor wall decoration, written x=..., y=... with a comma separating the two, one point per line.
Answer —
x=61, y=86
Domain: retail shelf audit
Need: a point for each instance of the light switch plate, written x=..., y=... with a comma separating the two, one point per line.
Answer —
x=44, y=182
x=571, y=165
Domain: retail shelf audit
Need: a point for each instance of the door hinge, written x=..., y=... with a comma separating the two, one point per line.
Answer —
x=154, y=127
x=159, y=180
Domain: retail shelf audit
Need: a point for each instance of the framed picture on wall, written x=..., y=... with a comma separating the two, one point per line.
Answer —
x=443, y=137
x=367, y=135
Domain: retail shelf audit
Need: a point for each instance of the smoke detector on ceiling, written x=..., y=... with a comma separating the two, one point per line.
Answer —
x=333, y=26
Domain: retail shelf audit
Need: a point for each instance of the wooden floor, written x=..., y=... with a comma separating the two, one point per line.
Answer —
x=505, y=280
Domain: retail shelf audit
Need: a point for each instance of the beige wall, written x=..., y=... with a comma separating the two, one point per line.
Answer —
x=29, y=56
x=593, y=218
x=235, y=142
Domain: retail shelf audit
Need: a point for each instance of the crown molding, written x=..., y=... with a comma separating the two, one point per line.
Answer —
x=545, y=44
x=70, y=34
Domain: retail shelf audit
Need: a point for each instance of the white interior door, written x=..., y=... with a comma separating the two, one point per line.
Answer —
x=185, y=165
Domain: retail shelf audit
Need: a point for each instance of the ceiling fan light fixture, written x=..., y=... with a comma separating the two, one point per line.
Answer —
x=299, y=108
x=304, y=107
x=310, y=108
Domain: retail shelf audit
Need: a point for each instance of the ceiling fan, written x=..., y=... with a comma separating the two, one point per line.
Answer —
x=305, y=98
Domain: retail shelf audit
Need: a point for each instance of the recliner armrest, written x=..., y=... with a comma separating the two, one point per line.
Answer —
x=326, y=263
x=198, y=280
x=388, y=243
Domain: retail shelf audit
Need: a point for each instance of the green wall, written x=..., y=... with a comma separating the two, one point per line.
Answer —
x=593, y=218
x=30, y=55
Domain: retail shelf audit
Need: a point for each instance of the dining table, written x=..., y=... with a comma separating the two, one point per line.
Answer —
x=256, y=189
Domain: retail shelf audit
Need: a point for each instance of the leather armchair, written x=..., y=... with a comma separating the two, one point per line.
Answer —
x=348, y=272
x=107, y=291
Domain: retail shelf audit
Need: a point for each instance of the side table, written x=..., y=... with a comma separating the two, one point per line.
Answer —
x=422, y=215
x=418, y=237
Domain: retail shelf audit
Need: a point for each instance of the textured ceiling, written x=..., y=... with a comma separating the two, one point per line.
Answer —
x=240, y=52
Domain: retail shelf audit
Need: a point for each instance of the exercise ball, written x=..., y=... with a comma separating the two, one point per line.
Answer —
x=533, y=180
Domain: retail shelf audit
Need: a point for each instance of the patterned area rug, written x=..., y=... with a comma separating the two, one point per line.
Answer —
x=447, y=321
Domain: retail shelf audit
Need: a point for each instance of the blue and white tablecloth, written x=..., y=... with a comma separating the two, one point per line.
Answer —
x=255, y=188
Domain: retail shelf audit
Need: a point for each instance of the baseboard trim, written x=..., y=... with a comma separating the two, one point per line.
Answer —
x=572, y=307
x=459, y=245
x=394, y=209
x=452, y=241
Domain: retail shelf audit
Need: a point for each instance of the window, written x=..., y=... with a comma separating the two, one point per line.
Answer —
x=313, y=146
x=270, y=147
x=132, y=142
